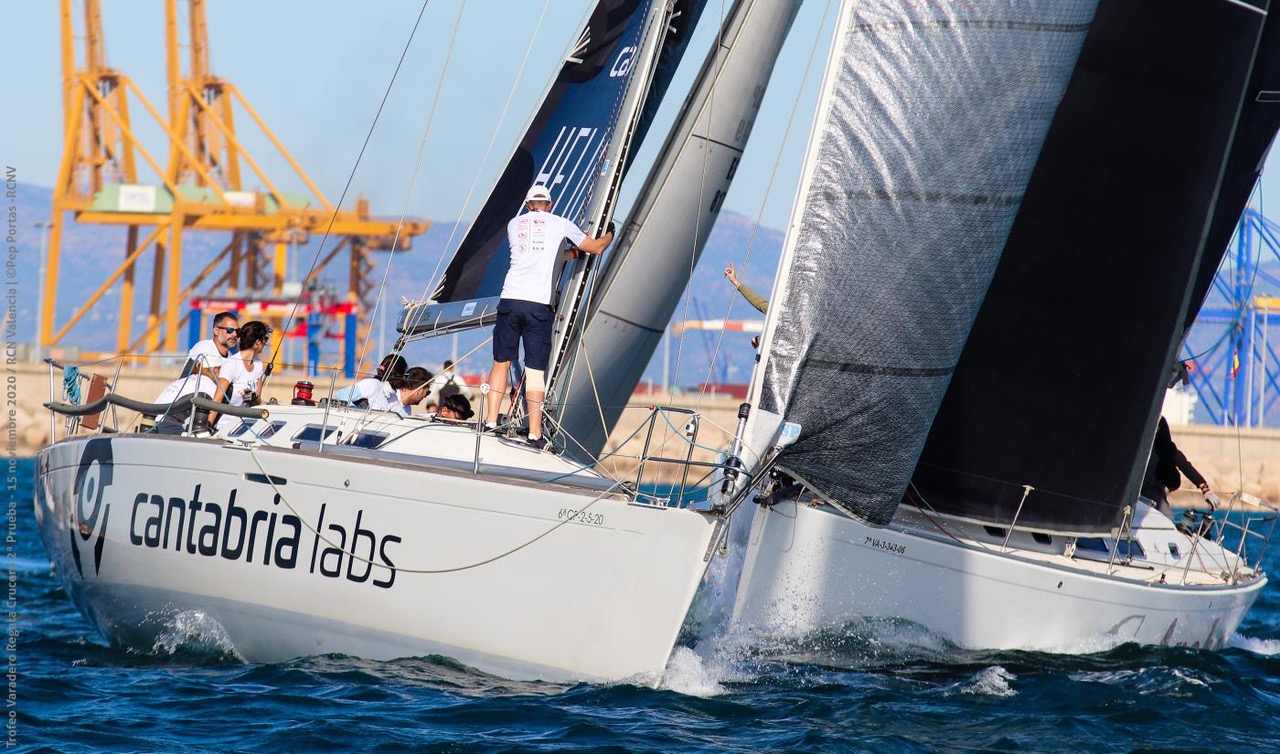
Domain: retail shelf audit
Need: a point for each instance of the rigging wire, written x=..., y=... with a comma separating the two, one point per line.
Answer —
x=773, y=173
x=346, y=188
x=433, y=281
x=413, y=177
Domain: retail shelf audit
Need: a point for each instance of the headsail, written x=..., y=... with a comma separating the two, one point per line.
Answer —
x=931, y=118
x=675, y=210
x=562, y=147
x=1060, y=382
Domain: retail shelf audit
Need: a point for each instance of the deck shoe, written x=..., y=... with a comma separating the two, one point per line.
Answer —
x=537, y=443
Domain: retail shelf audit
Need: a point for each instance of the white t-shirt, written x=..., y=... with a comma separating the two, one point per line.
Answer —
x=381, y=396
x=209, y=350
x=196, y=383
x=535, y=248
x=240, y=379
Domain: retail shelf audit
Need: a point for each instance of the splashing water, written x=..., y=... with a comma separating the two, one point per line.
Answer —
x=192, y=632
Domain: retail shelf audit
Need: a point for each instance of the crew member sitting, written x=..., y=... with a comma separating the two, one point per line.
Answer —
x=455, y=408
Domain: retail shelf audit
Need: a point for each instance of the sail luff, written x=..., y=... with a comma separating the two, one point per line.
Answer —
x=764, y=423
x=577, y=114
x=578, y=290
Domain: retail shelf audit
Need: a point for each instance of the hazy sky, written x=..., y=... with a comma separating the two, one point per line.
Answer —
x=316, y=71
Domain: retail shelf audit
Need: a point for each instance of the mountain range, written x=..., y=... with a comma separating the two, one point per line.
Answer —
x=92, y=253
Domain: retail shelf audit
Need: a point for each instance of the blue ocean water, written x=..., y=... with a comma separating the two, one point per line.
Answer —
x=882, y=691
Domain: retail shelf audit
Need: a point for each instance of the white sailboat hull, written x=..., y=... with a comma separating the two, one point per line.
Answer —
x=528, y=581
x=809, y=569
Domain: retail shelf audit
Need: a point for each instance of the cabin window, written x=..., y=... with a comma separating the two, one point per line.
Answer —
x=1173, y=551
x=369, y=439
x=1042, y=538
x=244, y=427
x=311, y=433
x=995, y=531
x=1128, y=548
x=271, y=429
x=1092, y=544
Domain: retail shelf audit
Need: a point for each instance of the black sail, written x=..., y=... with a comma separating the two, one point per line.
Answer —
x=1059, y=384
x=562, y=147
x=1257, y=129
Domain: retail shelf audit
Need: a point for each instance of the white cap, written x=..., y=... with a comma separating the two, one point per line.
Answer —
x=538, y=194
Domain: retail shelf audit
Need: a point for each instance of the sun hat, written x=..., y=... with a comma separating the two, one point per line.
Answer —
x=538, y=194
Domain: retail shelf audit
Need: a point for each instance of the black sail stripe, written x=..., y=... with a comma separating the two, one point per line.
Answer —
x=879, y=369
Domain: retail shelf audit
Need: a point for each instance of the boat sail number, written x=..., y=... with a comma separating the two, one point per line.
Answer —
x=622, y=64
x=581, y=516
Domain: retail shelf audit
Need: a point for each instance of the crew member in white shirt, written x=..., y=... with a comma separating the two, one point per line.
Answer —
x=201, y=382
x=241, y=375
x=524, y=310
x=376, y=392
x=213, y=351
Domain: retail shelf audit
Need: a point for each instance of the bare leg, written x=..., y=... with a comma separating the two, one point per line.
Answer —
x=497, y=390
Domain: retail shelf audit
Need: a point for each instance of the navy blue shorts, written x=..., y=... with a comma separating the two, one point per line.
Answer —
x=527, y=321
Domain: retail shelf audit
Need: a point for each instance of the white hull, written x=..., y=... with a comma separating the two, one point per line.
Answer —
x=809, y=569
x=525, y=586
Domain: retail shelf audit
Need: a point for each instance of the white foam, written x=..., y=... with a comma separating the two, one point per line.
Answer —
x=193, y=631
x=1266, y=647
x=992, y=681
x=687, y=673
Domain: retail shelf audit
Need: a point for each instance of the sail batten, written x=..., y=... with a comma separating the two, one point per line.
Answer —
x=930, y=122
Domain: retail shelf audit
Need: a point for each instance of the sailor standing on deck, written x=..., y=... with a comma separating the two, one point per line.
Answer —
x=524, y=310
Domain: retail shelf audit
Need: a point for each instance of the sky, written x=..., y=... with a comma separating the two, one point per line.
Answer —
x=317, y=71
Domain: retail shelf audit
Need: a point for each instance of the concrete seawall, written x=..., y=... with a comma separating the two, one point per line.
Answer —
x=1230, y=459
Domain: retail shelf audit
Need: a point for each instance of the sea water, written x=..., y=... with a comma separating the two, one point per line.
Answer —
x=881, y=688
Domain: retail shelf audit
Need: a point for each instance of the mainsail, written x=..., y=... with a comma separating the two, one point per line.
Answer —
x=1060, y=382
x=563, y=147
x=663, y=238
x=931, y=119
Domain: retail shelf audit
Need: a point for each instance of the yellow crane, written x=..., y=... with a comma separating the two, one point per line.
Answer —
x=201, y=187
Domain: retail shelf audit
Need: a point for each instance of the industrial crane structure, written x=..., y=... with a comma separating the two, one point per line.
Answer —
x=201, y=186
x=1236, y=367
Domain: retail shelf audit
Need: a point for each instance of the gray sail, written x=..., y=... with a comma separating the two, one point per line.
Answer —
x=931, y=120
x=664, y=236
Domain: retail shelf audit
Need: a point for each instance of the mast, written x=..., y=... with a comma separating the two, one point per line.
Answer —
x=578, y=289
x=662, y=240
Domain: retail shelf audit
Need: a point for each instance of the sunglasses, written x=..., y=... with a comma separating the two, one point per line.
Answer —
x=228, y=330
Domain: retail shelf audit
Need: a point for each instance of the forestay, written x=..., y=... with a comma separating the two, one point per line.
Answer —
x=930, y=121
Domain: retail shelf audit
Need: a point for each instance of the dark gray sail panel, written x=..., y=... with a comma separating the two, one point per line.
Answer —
x=1256, y=132
x=937, y=112
x=1061, y=380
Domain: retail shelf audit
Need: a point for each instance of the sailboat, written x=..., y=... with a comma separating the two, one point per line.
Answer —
x=323, y=529
x=996, y=249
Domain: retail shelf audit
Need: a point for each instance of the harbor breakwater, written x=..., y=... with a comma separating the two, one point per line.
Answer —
x=1230, y=458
